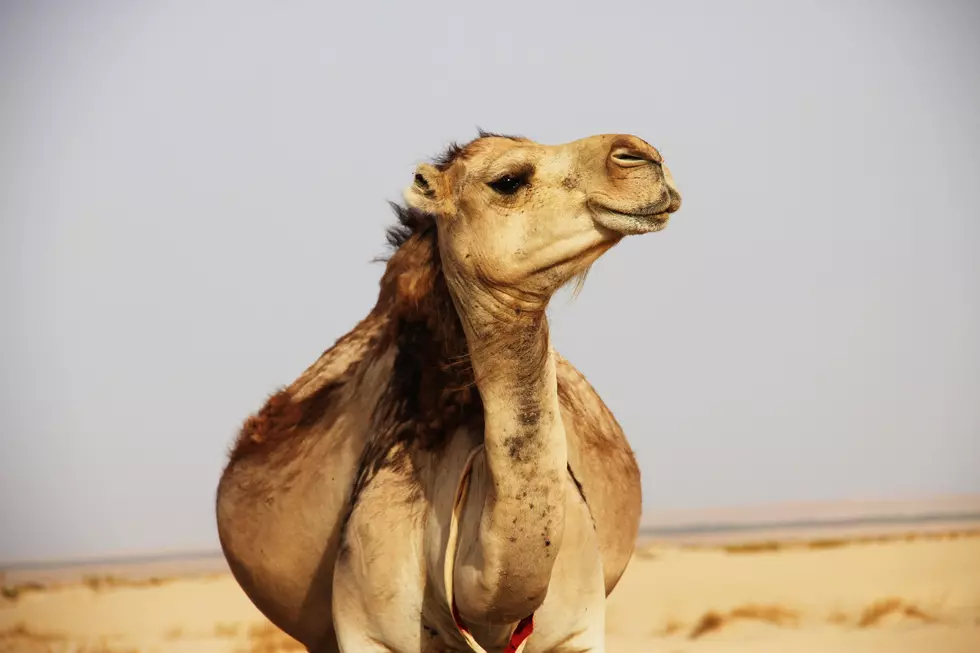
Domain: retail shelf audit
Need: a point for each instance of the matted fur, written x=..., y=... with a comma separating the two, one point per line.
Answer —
x=431, y=390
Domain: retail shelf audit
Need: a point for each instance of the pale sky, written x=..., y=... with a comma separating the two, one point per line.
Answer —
x=192, y=193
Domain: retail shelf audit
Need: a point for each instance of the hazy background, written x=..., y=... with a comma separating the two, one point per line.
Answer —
x=191, y=195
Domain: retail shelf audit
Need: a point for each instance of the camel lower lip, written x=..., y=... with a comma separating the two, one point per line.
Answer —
x=632, y=223
x=654, y=214
x=657, y=217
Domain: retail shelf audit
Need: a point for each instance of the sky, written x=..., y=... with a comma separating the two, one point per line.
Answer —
x=192, y=195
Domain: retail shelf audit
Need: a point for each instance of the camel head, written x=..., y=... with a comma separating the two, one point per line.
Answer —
x=525, y=218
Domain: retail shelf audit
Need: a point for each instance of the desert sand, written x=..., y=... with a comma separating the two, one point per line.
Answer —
x=884, y=594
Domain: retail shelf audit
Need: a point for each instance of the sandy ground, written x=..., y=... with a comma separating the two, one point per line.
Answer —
x=886, y=594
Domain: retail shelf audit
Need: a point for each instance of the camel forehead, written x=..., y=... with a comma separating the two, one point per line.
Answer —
x=488, y=151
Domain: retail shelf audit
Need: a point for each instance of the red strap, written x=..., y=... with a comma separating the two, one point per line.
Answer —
x=524, y=629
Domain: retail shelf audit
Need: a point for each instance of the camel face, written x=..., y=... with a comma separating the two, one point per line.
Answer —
x=528, y=217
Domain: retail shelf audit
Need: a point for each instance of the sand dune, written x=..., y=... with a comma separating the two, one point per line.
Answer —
x=891, y=594
x=882, y=594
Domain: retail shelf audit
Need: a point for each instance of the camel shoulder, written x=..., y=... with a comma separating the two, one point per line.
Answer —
x=312, y=398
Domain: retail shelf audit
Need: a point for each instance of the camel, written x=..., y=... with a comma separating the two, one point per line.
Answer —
x=442, y=479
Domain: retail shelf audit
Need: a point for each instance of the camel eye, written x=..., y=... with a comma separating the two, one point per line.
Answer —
x=508, y=184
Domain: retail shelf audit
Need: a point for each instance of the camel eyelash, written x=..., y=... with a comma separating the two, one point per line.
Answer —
x=510, y=183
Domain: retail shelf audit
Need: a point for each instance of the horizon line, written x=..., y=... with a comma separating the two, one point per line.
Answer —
x=646, y=530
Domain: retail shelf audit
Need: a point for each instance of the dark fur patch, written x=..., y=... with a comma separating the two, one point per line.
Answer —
x=431, y=391
x=409, y=222
x=280, y=418
x=530, y=415
x=519, y=446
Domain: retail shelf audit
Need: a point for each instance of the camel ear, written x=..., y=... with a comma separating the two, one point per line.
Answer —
x=426, y=192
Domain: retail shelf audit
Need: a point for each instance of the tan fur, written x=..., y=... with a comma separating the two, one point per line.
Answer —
x=333, y=509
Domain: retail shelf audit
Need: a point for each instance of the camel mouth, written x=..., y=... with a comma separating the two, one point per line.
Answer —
x=645, y=220
x=643, y=215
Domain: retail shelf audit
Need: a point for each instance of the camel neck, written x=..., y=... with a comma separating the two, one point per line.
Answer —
x=514, y=368
x=526, y=454
x=515, y=372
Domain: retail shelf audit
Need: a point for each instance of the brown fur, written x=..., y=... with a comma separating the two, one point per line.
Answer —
x=431, y=391
x=284, y=416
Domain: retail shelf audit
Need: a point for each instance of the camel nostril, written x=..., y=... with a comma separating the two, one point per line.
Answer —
x=628, y=151
x=628, y=157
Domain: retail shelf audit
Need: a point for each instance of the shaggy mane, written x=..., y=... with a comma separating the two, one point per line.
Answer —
x=409, y=222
